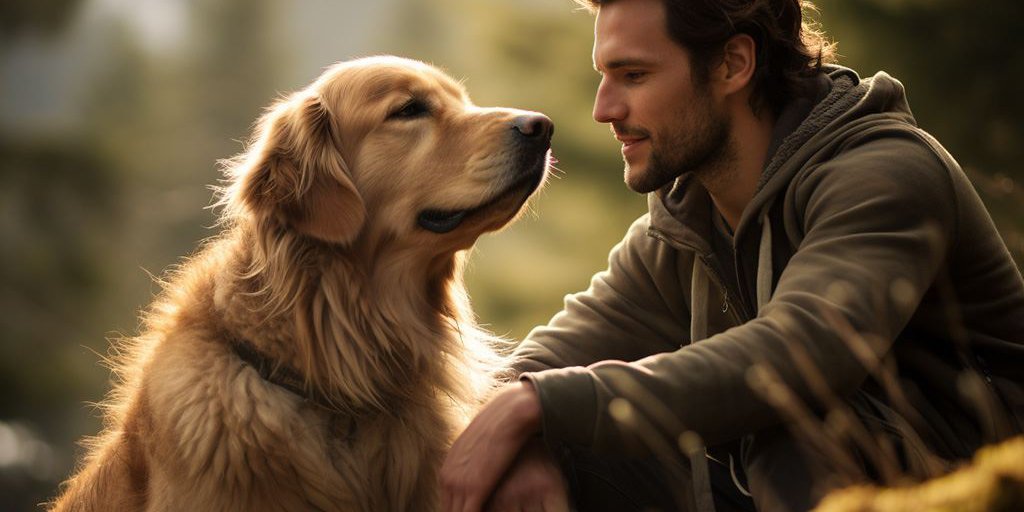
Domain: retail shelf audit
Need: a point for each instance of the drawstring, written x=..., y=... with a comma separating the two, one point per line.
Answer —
x=764, y=294
x=764, y=262
x=699, y=289
x=735, y=480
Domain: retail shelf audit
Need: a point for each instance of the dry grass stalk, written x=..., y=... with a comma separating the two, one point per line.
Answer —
x=766, y=382
x=885, y=373
x=994, y=482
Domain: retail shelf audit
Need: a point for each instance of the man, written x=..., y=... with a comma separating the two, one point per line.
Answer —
x=800, y=228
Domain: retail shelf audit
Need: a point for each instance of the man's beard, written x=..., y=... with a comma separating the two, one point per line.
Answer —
x=700, y=147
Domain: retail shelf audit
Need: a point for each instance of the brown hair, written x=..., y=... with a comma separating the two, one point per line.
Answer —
x=789, y=48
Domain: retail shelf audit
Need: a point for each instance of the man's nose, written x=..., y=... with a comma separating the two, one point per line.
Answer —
x=608, y=104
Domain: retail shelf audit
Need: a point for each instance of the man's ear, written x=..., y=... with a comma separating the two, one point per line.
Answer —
x=738, y=64
x=298, y=174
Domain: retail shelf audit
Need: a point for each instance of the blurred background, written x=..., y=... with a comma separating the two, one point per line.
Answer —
x=114, y=112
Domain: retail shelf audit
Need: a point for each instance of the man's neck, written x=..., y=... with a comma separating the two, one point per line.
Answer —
x=733, y=187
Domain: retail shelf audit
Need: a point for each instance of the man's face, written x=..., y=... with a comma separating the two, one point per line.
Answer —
x=667, y=121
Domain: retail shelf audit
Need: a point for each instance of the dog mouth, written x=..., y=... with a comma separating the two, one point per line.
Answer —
x=445, y=221
x=441, y=221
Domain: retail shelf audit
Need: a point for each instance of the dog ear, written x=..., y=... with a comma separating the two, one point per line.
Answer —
x=297, y=172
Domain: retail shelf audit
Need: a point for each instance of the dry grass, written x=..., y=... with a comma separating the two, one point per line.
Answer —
x=993, y=482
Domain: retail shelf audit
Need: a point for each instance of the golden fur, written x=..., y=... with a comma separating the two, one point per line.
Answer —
x=321, y=266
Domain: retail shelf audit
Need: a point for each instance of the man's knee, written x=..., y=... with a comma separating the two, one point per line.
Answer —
x=602, y=483
x=786, y=473
x=783, y=474
x=649, y=484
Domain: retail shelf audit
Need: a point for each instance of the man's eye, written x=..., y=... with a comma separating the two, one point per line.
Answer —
x=411, y=110
x=634, y=76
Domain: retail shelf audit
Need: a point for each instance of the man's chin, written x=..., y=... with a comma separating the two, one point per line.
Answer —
x=633, y=178
x=635, y=173
x=644, y=180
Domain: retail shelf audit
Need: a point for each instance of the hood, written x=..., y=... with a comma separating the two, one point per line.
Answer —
x=839, y=105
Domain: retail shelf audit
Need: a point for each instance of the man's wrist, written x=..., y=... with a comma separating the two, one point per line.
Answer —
x=528, y=407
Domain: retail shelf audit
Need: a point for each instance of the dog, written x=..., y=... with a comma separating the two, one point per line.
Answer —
x=320, y=352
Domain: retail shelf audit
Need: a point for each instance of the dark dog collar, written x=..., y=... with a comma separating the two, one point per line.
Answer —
x=281, y=375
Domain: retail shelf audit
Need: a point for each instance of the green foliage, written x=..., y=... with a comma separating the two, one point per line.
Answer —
x=962, y=66
x=59, y=205
x=58, y=210
x=36, y=15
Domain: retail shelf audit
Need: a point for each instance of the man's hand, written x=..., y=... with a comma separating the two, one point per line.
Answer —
x=482, y=454
x=535, y=482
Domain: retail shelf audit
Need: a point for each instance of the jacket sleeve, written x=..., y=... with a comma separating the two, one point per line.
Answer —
x=625, y=314
x=878, y=221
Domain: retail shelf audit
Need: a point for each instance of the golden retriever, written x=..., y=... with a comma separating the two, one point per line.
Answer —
x=320, y=353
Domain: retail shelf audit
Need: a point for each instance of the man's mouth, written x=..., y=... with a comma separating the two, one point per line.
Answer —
x=631, y=145
x=626, y=142
x=629, y=137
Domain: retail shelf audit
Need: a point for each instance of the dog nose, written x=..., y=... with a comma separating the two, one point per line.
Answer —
x=534, y=125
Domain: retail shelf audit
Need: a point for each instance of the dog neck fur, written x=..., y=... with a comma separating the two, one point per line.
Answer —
x=361, y=334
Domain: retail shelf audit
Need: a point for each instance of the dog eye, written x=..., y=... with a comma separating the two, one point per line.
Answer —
x=411, y=110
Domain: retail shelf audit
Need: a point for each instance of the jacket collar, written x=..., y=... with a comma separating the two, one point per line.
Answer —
x=681, y=211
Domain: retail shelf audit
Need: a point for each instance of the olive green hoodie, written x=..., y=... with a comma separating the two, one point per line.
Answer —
x=861, y=219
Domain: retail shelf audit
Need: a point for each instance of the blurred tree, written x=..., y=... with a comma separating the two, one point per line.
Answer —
x=150, y=133
x=59, y=205
x=960, y=63
x=963, y=67
x=232, y=66
x=58, y=213
x=47, y=16
x=166, y=120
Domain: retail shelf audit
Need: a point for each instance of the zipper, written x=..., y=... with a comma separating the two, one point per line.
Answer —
x=727, y=305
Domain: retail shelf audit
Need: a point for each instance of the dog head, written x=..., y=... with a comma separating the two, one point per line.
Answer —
x=385, y=148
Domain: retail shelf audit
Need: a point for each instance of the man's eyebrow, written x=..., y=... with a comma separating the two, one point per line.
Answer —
x=623, y=63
